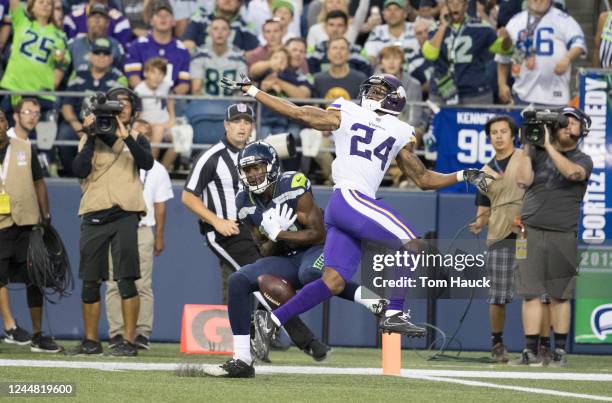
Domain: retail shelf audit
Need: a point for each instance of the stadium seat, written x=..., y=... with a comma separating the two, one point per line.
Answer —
x=206, y=117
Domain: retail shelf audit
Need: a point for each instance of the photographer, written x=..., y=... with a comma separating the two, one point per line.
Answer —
x=111, y=205
x=555, y=175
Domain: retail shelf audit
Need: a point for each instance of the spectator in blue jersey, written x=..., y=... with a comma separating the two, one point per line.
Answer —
x=197, y=29
x=336, y=24
x=80, y=47
x=396, y=31
x=75, y=23
x=281, y=81
x=460, y=50
x=99, y=76
x=160, y=42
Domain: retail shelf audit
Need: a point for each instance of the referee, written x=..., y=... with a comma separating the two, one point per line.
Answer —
x=210, y=193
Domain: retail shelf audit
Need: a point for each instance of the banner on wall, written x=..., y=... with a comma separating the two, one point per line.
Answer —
x=593, y=322
x=461, y=140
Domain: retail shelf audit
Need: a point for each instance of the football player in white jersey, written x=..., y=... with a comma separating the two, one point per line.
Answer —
x=368, y=137
x=546, y=42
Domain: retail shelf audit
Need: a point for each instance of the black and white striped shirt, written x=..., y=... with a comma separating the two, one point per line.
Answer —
x=215, y=179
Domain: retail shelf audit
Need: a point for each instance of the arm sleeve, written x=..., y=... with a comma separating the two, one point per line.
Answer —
x=196, y=67
x=200, y=176
x=141, y=151
x=482, y=200
x=133, y=61
x=37, y=172
x=163, y=190
x=584, y=161
x=430, y=52
x=574, y=36
x=182, y=68
x=81, y=165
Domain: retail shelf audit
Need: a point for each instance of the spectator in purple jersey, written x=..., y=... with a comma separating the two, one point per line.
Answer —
x=75, y=24
x=160, y=42
x=197, y=30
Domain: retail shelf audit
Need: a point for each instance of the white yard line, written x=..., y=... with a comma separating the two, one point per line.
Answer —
x=449, y=376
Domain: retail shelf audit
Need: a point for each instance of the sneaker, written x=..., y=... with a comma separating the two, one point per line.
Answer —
x=559, y=358
x=276, y=343
x=44, y=344
x=264, y=328
x=317, y=350
x=400, y=323
x=527, y=358
x=499, y=353
x=258, y=349
x=233, y=368
x=115, y=341
x=125, y=349
x=86, y=347
x=544, y=355
x=17, y=335
x=379, y=308
x=142, y=342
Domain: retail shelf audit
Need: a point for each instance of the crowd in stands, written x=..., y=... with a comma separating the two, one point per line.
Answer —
x=447, y=51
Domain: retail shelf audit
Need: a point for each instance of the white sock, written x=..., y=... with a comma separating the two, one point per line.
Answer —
x=275, y=320
x=242, y=348
x=391, y=312
x=367, y=302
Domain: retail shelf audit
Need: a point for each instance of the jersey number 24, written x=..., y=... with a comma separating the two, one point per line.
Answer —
x=381, y=151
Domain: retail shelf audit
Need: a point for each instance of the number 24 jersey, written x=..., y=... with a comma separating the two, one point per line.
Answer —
x=366, y=143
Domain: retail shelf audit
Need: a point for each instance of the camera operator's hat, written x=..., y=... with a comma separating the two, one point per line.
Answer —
x=98, y=8
x=158, y=5
x=102, y=45
x=239, y=111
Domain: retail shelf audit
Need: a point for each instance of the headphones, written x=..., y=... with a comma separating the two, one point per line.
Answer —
x=114, y=93
x=583, y=118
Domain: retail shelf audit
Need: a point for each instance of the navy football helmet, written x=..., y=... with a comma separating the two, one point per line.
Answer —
x=257, y=153
x=583, y=118
x=383, y=92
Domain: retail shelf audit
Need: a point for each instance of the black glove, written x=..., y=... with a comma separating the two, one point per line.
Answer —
x=477, y=178
x=233, y=85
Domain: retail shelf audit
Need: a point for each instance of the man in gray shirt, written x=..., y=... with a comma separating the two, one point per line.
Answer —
x=555, y=176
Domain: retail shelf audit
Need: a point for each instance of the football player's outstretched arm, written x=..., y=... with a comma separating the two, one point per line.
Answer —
x=311, y=217
x=309, y=116
x=426, y=179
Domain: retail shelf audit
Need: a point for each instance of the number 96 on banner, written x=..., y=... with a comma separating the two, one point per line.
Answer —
x=474, y=147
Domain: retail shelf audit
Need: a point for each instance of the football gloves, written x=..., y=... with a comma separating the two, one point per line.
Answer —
x=277, y=219
x=478, y=178
x=234, y=85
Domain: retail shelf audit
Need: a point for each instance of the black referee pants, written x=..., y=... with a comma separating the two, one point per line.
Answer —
x=239, y=250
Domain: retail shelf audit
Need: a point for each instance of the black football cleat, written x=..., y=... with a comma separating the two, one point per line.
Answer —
x=264, y=330
x=400, y=323
x=317, y=350
x=233, y=368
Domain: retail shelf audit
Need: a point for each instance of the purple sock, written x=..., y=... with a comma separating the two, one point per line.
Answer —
x=311, y=295
x=396, y=304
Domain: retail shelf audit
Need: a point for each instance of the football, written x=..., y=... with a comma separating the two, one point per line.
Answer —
x=275, y=290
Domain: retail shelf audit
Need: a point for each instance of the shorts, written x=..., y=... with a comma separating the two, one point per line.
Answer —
x=501, y=266
x=551, y=264
x=14, y=243
x=236, y=250
x=121, y=236
x=350, y=218
x=298, y=270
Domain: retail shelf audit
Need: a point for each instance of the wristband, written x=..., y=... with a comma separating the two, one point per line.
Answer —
x=460, y=177
x=252, y=91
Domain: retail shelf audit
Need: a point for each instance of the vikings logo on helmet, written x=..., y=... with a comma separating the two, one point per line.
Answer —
x=392, y=98
x=601, y=321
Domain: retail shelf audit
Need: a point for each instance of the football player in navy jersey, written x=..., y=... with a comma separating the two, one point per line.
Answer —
x=288, y=225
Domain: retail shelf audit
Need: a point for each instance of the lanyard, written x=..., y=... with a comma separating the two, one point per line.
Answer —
x=452, y=50
x=4, y=167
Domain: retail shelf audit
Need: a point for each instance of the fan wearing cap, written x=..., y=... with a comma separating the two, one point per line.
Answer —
x=80, y=47
x=108, y=166
x=160, y=42
x=197, y=32
x=555, y=177
x=98, y=76
x=75, y=23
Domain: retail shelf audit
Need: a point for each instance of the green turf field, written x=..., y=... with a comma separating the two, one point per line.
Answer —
x=421, y=380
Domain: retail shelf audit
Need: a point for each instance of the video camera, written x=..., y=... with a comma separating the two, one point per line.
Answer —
x=106, y=113
x=534, y=123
